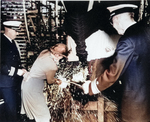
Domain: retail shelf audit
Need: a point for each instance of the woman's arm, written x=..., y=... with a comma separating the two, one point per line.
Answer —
x=50, y=76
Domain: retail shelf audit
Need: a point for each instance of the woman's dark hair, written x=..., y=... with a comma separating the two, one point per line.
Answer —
x=66, y=52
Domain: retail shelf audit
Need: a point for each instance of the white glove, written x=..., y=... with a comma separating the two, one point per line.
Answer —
x=85, y=86
x=20, y=72
x=94, y=88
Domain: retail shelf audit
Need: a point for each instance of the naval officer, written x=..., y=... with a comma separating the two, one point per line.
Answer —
x=11, y=69
x=131, y=65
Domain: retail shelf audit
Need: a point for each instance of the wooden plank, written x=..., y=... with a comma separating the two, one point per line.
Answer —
x=32, y=24
x=91, y=105
x=100, y=108
x=32, y=11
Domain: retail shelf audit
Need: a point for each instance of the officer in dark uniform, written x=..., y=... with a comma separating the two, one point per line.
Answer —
x=131, y=66
x=11, y=69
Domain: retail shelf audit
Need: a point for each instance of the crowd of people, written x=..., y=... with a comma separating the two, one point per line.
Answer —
x=126, y=62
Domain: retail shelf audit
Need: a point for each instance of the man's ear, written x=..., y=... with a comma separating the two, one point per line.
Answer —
x=115, y=18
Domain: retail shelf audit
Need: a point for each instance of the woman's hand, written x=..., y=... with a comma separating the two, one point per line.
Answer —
x=62, y=84
x=24, y=71
x=58, y=81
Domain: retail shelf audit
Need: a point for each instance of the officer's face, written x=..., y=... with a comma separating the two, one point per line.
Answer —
x=117, y=25
x=13, y=34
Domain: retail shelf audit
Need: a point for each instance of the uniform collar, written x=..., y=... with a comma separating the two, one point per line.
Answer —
x=8, y=38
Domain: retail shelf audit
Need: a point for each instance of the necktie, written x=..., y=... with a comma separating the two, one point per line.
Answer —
x=13, y=42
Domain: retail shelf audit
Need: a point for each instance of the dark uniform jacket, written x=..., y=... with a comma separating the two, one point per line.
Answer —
x=9, y=58
x=135, y=45
x=132, y=67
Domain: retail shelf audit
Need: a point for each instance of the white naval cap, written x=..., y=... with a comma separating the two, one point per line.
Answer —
x=12, y=24
x=121, y=8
